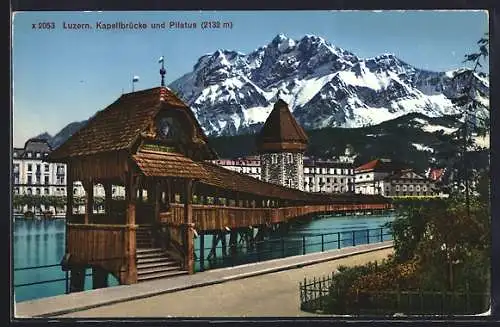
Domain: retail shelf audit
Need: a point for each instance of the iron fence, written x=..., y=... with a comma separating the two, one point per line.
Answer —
x=318, y=295
x=66, y=278
x=276, y=247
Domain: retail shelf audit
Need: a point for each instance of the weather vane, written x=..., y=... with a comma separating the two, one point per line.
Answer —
x=162, y=71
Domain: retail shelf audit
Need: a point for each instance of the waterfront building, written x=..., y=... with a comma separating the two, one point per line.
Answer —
x=367, y=177
x=281, y=144
x=406, y=183
x=249, y=165
x=328, y=176
x=33, y=175
x=387, y=178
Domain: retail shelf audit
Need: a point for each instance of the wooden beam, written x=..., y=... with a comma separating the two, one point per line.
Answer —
x=157, y=199
x=188, y=223
x=130, y=194
x=69, y=201
x=108, y=197
x=89, y=199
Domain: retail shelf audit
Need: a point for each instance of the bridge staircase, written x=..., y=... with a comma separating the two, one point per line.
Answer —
x=153, y=262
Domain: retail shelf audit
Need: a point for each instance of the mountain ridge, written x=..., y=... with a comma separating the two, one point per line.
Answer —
x=324, y=85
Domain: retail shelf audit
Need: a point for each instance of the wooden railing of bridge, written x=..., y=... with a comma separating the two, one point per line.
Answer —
x=213, y=217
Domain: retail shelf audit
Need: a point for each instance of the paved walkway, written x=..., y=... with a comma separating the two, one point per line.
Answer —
x=272, y=294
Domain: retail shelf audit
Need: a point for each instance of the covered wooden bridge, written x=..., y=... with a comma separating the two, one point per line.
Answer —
x=150, y=143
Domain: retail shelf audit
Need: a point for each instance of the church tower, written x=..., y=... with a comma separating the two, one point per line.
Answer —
x=281, y=144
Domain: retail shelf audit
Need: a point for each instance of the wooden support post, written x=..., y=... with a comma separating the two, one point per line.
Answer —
x=213, y=250
x=130, y=275
x=108, y=197
x=99, y=278
x=141, y=189
x=232, y=242
x=188, y=223
x=89, y=200
x=77, y=279
x=223, y=243
x=69, y=203
x=156, y=200
x=169, y=191
x=202, y=251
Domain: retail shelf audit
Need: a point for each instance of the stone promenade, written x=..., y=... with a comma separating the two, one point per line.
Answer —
x=269, y=288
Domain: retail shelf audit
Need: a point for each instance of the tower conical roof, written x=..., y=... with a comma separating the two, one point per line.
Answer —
x=281, y=132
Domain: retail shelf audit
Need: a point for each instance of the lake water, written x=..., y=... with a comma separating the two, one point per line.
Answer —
x=39, y=243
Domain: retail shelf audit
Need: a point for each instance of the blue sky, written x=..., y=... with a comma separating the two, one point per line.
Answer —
x=60, y=76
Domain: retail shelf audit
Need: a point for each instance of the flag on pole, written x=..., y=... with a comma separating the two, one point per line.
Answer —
x=135, y=79
x=160, y=60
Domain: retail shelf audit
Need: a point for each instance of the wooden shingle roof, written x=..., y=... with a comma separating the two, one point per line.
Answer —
x=281, y=132
x=221, y=177
x=166, y=164
x=120, y=124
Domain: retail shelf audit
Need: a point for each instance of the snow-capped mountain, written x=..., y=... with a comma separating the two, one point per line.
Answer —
x=324, y=85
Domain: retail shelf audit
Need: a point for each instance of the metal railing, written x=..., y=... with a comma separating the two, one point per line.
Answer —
x=66, y=279
x=318, y=295
x=276, y=247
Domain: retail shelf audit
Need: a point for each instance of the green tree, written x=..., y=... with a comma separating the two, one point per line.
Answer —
x=472, y=103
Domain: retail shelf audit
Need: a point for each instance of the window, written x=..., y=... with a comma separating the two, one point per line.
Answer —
x=60, y=179
x=75, y=190
x=397, y=188
x=16, y=190
x=38, y=154
x=290, y=183
x=30, y=179
x=29, y=156
x=328, y=179
x=323, y=171
x=274, y=160
x=30, y=167
x=37, y=191
x=28, y=191
x=15, y=154
x=290, y=158
x=46, y=191
x=60, y=170
x=46, y=168
x=38, y=169
x=341, y=180
x=46, y=179
x=332, y=171
x=339, y=171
